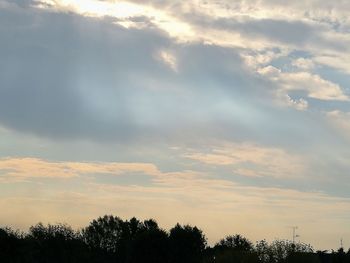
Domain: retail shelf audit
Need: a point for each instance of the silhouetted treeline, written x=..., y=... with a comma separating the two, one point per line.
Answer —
x=111, y=239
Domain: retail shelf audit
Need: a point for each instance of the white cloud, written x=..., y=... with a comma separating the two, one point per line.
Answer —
x=337, y=61
x=299, y=104
x=169, y=59
x=315, y=86
x=303, y=64
x=124, y=12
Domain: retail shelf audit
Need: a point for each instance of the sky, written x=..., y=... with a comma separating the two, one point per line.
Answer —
x=230, y=115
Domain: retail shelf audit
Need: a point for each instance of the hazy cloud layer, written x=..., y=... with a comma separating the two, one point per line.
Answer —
x=185, y=196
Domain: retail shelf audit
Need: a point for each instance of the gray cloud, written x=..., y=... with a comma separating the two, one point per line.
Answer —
x=59, y=79
x=291, y=32
x=67, y=76
x=51, y=65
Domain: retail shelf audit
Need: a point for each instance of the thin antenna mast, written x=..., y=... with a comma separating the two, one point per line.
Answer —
x=294, y=233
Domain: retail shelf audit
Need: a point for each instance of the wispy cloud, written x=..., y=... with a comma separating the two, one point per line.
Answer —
x=252, y=160
x=33, y=167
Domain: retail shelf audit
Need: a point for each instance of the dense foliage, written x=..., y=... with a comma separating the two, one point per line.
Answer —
x=111, y=239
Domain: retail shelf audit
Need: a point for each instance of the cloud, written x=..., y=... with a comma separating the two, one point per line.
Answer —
x=316, y=87
x=252, y=160
x=63, y=81
x=110, y=83
x=38, y=168
x=337, y=61
x=299, y=104
x=237, y=24
x=168, y=58
x=303, y=64
x=126, y=14
x=289, y=33
x=267, y=23
x=340, y=121
x=313, y=85
x=114, y=83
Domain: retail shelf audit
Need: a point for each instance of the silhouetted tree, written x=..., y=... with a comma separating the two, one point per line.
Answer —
x=281, y=249
x=187, y=244
x=55, y=243
x=234, y=248
x=150, y=246
x=340, y=256
x=105, y=233
x=235, y=242
x=263, y=252
x=303, y=257
x=10, y=245
x=109, y=239
x=59, y=232
x=135, y=226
